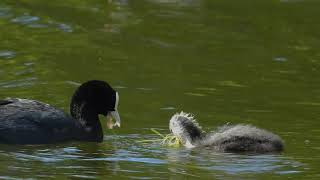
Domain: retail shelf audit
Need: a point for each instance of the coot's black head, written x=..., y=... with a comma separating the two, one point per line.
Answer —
x=185, y=127
x=98, y=97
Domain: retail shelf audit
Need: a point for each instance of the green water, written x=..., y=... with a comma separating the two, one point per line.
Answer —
x=255, y=62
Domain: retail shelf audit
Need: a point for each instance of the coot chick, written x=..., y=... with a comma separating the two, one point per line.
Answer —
x=228, y=138
x=24, y=121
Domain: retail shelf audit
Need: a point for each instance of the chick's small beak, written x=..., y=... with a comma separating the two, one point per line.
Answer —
x=115, y=115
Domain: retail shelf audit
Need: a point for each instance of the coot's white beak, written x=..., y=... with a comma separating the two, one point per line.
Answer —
x=115, y=114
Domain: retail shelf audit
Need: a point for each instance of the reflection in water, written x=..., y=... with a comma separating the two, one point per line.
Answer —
x=233, y=164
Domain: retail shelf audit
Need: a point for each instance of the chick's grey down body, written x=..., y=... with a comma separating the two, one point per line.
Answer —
x=228, y=138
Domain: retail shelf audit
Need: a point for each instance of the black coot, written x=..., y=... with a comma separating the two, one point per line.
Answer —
x=228, y=138
x=24, y=121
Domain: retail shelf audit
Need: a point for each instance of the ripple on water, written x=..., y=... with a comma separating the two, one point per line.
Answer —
x=145, y=89
x=207, y=159
x=195, y=94
x=128, y=157
x=8, y=178
x=280, y=59
x=73, y=83
x=168, y=108
x=19, y=83
x=65, y=27
x=131, y=159
x=36, y=22
x=231, y=84
x=6, y=54
x=25, y=19
x=30, y=21
x=37, y=157
x=253, y=164
x=4, y=12
x=120, y=87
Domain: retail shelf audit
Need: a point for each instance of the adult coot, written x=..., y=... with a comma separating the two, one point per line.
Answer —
x=24, y=121
x=228, y=138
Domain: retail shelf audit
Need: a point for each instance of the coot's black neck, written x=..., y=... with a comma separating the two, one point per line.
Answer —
x=87, y=120
x=88, y=101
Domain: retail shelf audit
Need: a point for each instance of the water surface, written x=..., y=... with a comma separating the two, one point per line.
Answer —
x=223, y=60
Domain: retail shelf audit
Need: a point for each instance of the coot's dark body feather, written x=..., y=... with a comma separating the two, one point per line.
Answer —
x=31, y=122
